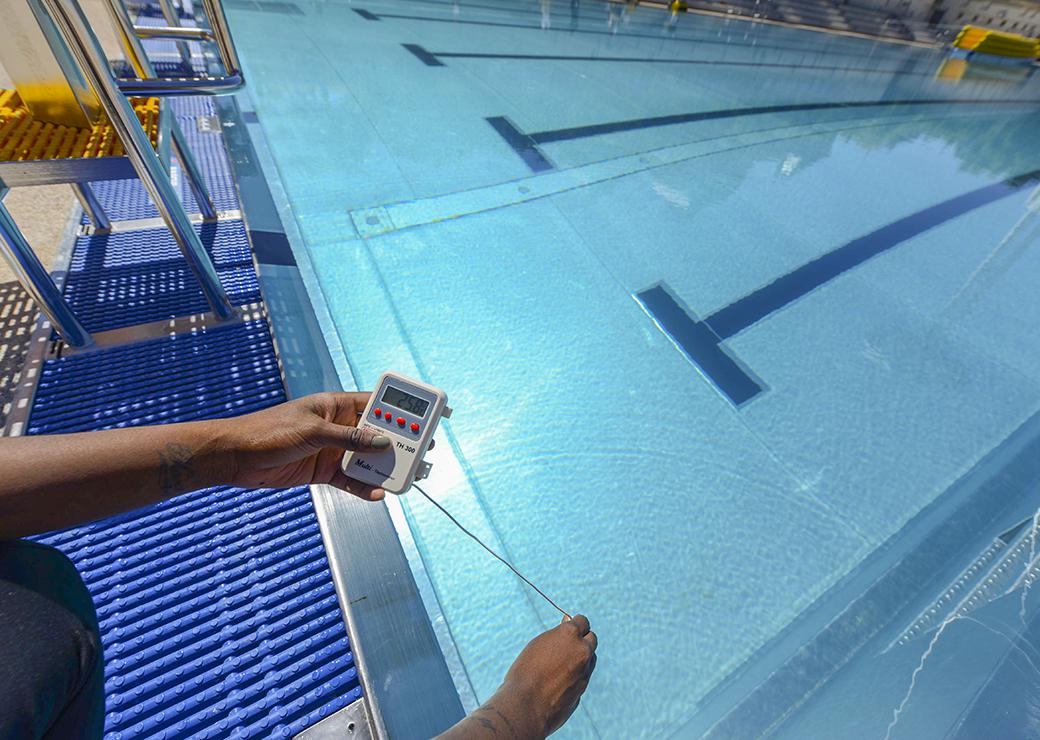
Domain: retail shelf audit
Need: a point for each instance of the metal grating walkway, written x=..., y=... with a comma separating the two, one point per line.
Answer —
x=218, y=613
x=134, y=277
x=125, y=200
x=217, y=609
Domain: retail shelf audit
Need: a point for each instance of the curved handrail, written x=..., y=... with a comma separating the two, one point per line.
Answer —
x=220, y=34
x=160, y=87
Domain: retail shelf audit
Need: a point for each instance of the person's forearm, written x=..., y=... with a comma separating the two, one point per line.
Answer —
x=505, y=716
x=54, y=481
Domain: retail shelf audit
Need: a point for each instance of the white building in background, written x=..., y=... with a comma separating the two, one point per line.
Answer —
x=1013, y=16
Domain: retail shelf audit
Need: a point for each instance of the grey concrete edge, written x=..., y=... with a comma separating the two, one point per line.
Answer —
x=404, y=676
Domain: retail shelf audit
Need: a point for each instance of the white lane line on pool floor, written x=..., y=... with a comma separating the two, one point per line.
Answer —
x=378, y=220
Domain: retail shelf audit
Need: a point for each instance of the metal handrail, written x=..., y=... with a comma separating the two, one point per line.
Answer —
x=174, y=32
x=75, y=30
x=138, y=59
x=38, y=283
x=231, y=82
x=92, y=207
x=183, y=86
x=174, y=21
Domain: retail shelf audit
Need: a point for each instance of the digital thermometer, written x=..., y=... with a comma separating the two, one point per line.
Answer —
x=407, y=411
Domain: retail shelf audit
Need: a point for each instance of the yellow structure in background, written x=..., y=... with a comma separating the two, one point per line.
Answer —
x=952, y=70
x=23, y=138
x=997, y=43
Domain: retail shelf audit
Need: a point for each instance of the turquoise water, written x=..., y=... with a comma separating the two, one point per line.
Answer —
x=611, y=467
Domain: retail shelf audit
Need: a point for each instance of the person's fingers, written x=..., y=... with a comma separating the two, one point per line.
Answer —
x=590, y=667
x=330, y=434
x=356, y=487
x=591, y=640
x=338, y=406
x=581, y=622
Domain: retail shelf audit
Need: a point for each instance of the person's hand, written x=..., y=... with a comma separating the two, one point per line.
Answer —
x=553, y=671
x=301, y=442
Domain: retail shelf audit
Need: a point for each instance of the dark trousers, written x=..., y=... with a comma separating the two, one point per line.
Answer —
x=51, y=665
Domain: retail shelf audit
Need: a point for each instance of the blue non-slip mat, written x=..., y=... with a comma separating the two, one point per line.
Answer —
x=125, y=200
x=218, y=613
x=134, y=277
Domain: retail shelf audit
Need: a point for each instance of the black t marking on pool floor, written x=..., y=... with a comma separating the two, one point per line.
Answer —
x=702, y=340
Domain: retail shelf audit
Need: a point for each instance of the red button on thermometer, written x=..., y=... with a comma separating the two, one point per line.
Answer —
x=416, y=408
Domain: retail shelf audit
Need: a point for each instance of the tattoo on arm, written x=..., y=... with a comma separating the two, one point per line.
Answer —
x=176, y=472
x=509, y=725
x=490, y=725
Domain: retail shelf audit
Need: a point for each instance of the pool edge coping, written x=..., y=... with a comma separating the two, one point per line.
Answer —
x=422, y=656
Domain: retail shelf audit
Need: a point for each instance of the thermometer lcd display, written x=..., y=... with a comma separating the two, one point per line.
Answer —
x=408, y=402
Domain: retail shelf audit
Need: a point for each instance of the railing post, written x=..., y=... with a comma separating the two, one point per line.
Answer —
x=38, y=283
x=94, y=210
x=170, y=16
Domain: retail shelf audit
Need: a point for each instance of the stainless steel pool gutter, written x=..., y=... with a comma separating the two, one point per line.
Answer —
x=408, y=691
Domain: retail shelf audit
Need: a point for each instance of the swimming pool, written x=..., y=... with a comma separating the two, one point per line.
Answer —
x=734, y=318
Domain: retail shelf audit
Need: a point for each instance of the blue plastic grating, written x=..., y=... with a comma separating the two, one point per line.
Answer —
x=125, y=200
x=133, y=277
x=218, y=613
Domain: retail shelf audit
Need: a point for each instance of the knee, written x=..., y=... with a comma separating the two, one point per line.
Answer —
x=49, y=662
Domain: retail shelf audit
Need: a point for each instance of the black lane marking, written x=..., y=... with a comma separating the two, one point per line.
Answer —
x=699, y=344
x=423, y=56
x=704, y=40
x=752, y=308
x=526, y=144
x=829, y=45
x=633, y=124
x=522, y=144
x=701, y=340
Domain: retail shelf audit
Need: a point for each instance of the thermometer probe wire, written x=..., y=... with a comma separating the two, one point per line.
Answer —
x=493, y=553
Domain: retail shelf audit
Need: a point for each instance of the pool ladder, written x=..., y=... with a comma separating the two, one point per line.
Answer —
x=65, y=84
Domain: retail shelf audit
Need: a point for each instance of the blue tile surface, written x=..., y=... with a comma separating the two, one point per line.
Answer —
x=217, y=610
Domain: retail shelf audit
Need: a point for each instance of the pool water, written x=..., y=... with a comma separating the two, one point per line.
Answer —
x=488, y=190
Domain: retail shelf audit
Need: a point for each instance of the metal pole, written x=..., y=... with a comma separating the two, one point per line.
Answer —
x=74, y=27
x=192, y=86
x=143, y=68
x=192, y=172
x=170, y=15
x=232, y=81
x=219, y=25
x=38, y=283
x=94, y=210
x=174, y=32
